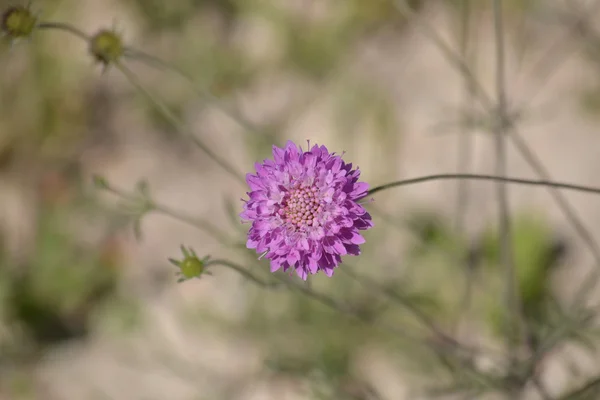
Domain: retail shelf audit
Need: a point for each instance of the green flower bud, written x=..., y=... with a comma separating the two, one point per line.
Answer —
x=106, y=47
x=191, y=266
x=18, y=22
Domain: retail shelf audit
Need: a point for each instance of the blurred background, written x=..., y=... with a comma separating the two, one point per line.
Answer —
x=91, y=310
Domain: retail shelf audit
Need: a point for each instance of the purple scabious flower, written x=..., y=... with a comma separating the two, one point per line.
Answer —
x=305, y=211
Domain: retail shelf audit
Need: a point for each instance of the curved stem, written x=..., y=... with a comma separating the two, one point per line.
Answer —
x=481, y=177
x=206, y=94
x=174, y=120
x=196, y=222
x=422, y=317
x=458, y=63
x=244, y=272
x=64, y=27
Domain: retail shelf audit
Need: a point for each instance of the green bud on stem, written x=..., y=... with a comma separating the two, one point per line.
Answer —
x=106, y=47
x=190, y=266
x=18, y=22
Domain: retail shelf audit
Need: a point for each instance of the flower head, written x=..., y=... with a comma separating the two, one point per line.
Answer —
x=18, y=22
x=106, y=47
x=304, y=210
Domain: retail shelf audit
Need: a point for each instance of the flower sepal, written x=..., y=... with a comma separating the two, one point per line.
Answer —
x=190, y=266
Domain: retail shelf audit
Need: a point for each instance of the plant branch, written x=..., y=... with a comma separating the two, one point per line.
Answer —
x=196, y=222
x=244, y=272
x=64, y=27
x=456, y=61
x=483, y=177
x=172, y=118
x=512, y=298
x=206, y=94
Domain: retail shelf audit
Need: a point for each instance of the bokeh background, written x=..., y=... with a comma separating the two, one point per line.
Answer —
x=91, y=310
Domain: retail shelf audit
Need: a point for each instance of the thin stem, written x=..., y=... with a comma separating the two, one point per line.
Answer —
x=244, y=272
x=464, y=142
x=451, y=56
x=512, y=298
x=456, y=61
x=551, y=61
x=568, y=211
x=422, y=317
x=441, y=346
x=64, y=27
x=156, y=62
x=343, y=309
x=193, y=221
x=576, y=27
x=172, y=118
x=561, y=201
x=464, y=157
x=482, y=177
x=330, y=302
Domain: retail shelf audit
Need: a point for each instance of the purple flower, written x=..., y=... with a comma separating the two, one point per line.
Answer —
x=304, y=210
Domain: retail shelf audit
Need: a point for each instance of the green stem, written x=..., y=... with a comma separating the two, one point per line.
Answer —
x=203, y=93
x=196, y=222
x=170, y=116
x=244, y=272
x=481, y=177
x=515, y=319
x=64, y=27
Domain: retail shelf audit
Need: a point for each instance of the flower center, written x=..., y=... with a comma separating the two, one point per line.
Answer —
x=301, y=207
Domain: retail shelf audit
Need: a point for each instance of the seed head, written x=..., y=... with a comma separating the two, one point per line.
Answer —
x=106, y=47
x=190, y=266
x=18, y=22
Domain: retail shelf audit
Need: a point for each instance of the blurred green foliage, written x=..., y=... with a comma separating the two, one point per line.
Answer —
x=160, y=15
x=52, y=295
x=535, y=253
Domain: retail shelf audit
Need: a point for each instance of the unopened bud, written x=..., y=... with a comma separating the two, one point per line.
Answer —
x=190, y=266
x=18, y=22
x=106, y=46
